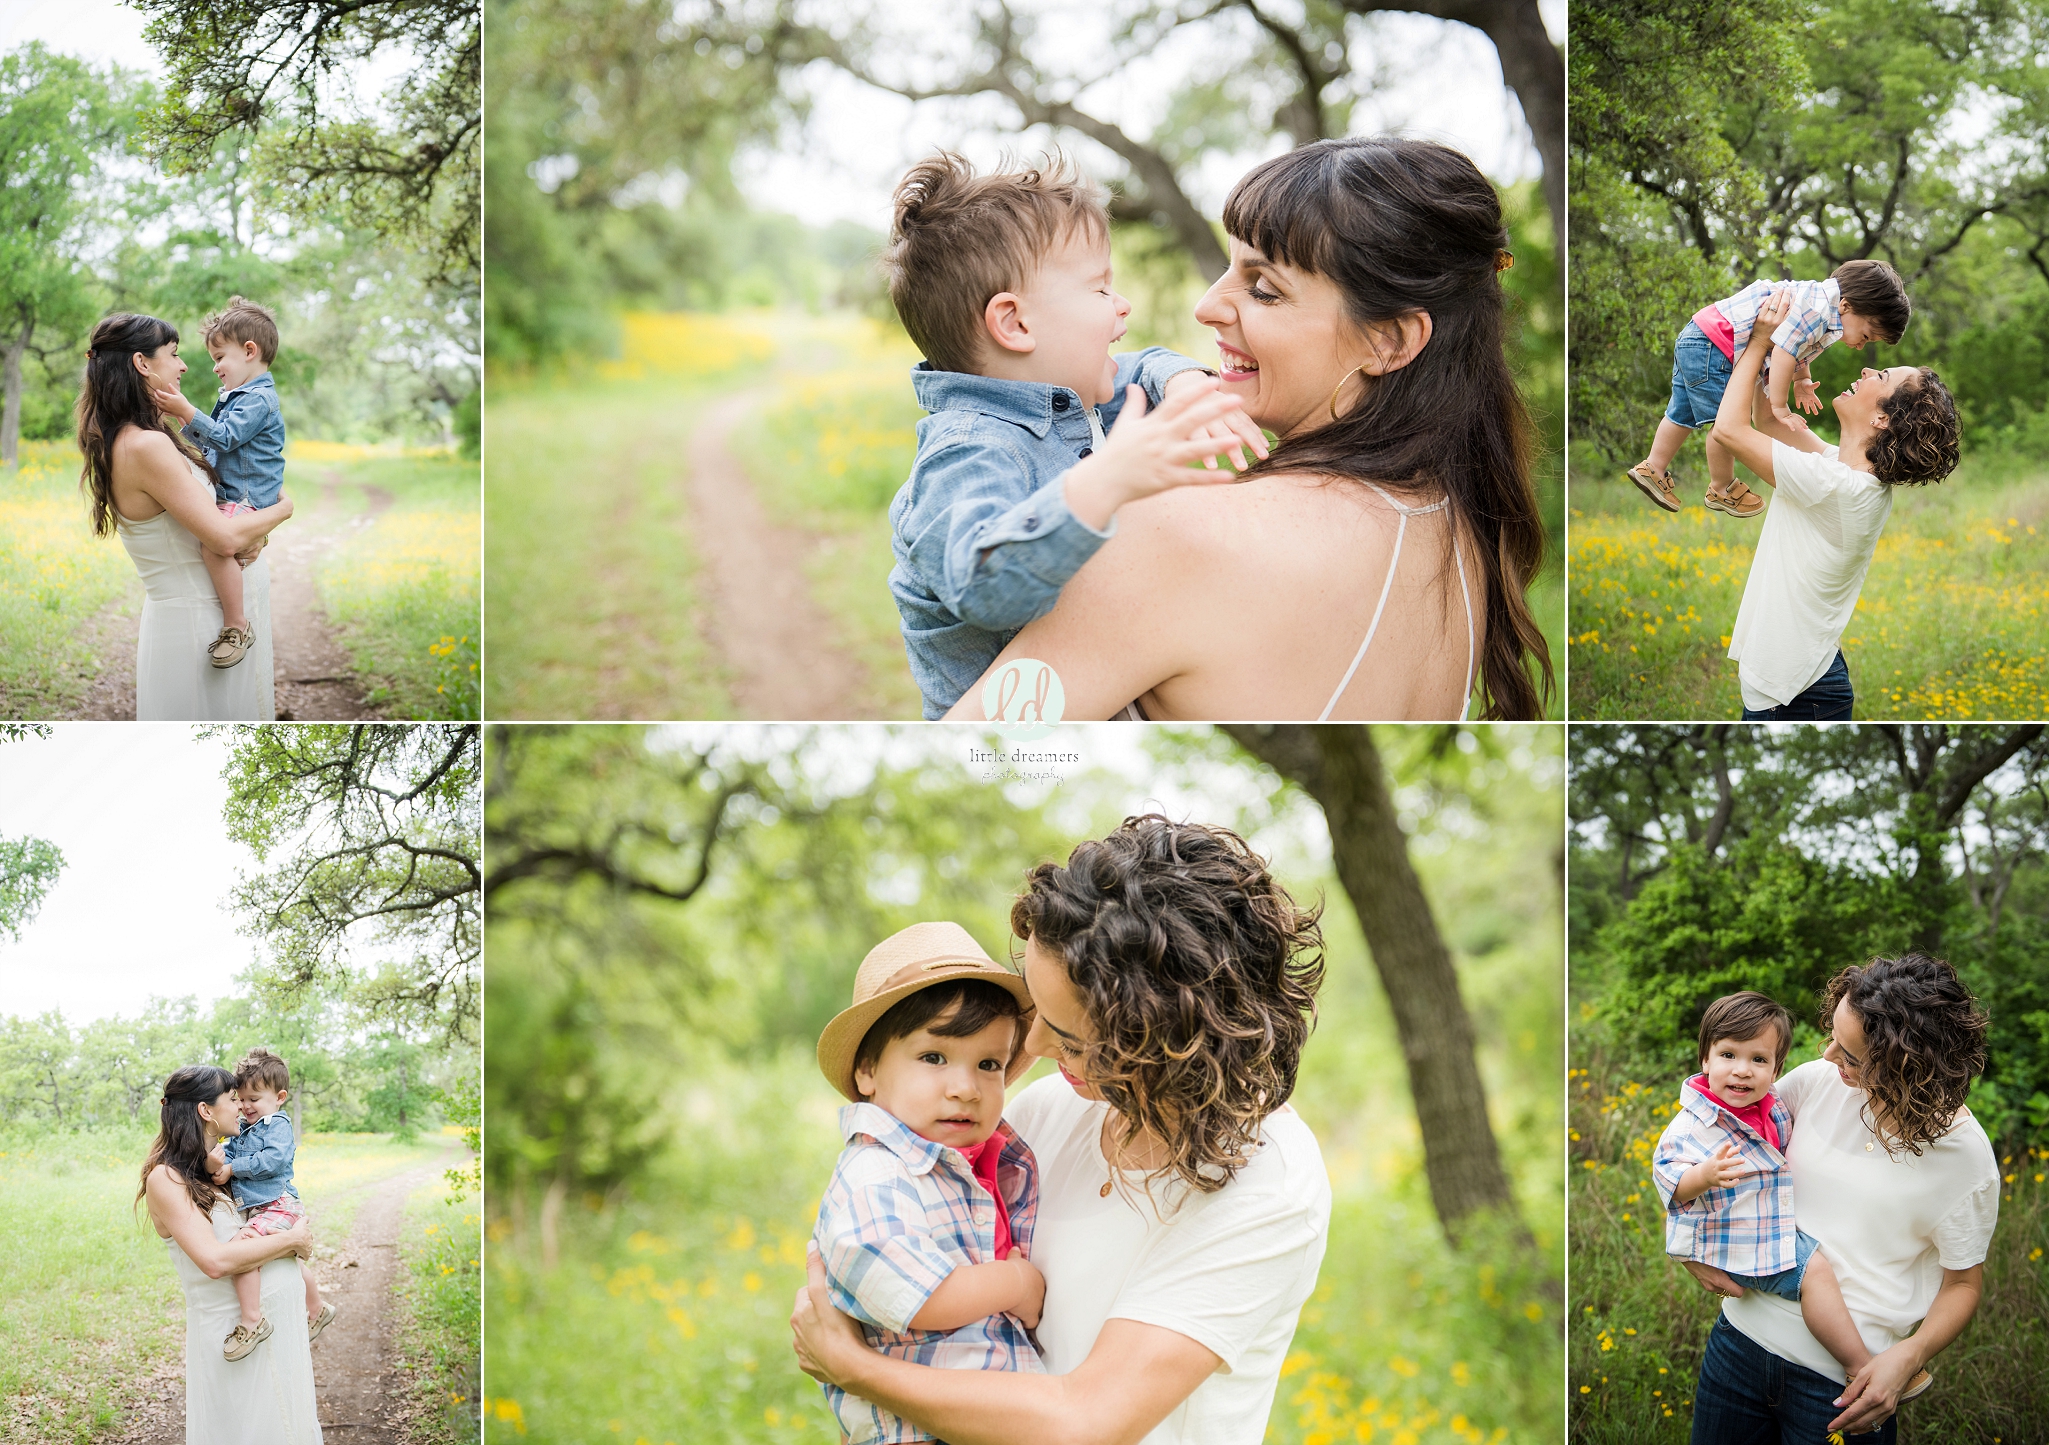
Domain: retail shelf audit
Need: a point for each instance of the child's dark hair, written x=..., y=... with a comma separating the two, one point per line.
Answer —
x=242, y=320
x=1744, y=1016
x=980, y=1002
x=262, y=1067
x=1920, y=441
x=959, y=239
x=1875, y=292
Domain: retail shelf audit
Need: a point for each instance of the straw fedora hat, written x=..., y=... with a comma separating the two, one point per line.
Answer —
x=897, y=967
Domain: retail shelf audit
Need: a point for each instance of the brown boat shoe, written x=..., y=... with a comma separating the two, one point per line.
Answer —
x=231, y=646
x=1655, y=485
x=238, y=1345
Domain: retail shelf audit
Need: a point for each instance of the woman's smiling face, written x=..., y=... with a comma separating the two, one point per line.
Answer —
x=1060, y=1028
x=163, y=366
x=1286, y=340
x=1858, y=403
x=1846, y=1044
x=223, y=1117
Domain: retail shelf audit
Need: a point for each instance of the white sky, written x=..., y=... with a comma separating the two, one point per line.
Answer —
x=138, y=910
x=1438, y=81
x=95, y=30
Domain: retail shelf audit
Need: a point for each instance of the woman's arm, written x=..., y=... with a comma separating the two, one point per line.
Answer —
x=1875, y=1393
x=1133, y=1378
x=172, y=1209
x=1732, y=418
x=160, y=471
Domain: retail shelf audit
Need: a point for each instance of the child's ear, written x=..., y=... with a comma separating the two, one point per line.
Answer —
x=864, y=1081
x=1003, y=318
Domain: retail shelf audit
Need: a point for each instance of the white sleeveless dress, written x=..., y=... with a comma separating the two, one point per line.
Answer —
x=174, y=679
x=266, y=1398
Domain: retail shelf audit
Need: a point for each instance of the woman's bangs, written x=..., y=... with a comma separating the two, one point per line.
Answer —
x=1281, y=210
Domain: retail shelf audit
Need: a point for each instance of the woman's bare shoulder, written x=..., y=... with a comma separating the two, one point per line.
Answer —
x=1227, y=521
x=144, y=443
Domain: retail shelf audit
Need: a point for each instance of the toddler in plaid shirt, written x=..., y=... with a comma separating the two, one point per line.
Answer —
x=924, y=1227
x=1721, y=1170
x=1862, y=302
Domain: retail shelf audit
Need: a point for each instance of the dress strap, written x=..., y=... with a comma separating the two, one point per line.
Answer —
x=1394, y=562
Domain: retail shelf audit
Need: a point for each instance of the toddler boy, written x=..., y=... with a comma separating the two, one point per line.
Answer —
x=1004, y=283
x=257, y=1165
x=244, y=439
x=1862, y=302
x=924, y=1053
x=1720, y=1168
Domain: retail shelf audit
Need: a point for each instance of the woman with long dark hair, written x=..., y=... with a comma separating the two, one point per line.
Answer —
x=265, y=1398
x=145, y=483
x=1376, y=564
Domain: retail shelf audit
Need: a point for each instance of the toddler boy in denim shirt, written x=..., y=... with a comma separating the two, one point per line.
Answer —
x=257, y=1166
x=1003, y=281
x=244, y=441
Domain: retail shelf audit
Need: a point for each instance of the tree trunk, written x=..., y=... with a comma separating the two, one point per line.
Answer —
x=10, y=418
x=1340, y=768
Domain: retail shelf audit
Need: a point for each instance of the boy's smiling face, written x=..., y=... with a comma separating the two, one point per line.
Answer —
x=947, y=1090
x=1066, y=318
x=260, y=1101
x=1740, y=1071
x=234, y=362
x=1858, y=331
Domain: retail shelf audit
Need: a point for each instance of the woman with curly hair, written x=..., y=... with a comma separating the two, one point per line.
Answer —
x=1895, y=1179
x=1899, y=428
x=1183, y=1206
x=265, y=1398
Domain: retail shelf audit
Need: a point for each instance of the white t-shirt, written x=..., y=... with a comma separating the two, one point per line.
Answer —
x=1230, y=1270
x=1811, y=557
x=1889, y=1225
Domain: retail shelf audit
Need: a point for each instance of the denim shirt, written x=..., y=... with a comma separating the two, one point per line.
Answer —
x=260, y=1158
x=244, y=438
x=982, y=535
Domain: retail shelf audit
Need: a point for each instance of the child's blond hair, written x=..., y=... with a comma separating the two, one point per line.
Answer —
x=959, y=239
x=242, y=320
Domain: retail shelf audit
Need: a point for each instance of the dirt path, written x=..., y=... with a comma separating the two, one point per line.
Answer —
x=777, y=643
x=361, y=1398
x=314, y=683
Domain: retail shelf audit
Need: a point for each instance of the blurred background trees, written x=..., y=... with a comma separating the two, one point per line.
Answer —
x=1714, y=144
x=1716, y=858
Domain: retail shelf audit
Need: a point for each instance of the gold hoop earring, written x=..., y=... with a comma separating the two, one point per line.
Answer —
x=1341, y=386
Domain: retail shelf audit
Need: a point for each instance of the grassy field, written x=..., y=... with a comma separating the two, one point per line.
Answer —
x=442, y=1315
x=1639, y=1324
x=91, y=1305
x=592, y=602
x=687, y=1277
x=1951, y=624
x=403, y=590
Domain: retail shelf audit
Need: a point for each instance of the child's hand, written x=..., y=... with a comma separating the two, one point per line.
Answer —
x=1725, y=1167
x=222, y=1175
x=1032, y=1301
x=1234, y=427
x=1789, y=421
x=173, y=403
x=1807, y=396
x=1149, y=452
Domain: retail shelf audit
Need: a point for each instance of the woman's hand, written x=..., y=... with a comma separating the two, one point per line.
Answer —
x=1713, y=1280
x=1871, y=1398
x=1033, y=1302
x=1776, y=308
x=822, y=1337
x=301, y=1237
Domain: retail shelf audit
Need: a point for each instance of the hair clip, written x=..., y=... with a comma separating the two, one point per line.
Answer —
x=88, y=355
x=1503, y=260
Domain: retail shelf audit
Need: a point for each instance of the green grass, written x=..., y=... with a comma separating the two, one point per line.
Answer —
x=403, y=590
x=92, y=1303
x=687, y=1277
x=442, y=1313
x=1639, y=1323
x=1951, y=623
x=55, y=576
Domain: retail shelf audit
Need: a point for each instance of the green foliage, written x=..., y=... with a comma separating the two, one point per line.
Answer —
x=28, y=871
x=443, y=1313
x=368, y=839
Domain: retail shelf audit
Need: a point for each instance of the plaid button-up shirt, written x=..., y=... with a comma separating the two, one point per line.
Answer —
x=1746, y=1228
x=1815, y=323
x=900, y=1214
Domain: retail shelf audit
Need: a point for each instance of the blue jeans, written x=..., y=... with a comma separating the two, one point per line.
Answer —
x=1746, y=1395
x=1700, y=374
x=1827, y=699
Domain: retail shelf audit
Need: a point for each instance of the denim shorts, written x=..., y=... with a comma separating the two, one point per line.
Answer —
x=1700, y=374
x=1786, y=1283
x=1828, y=698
